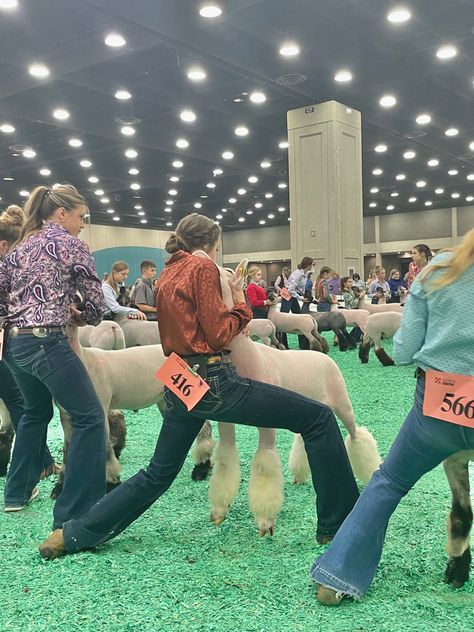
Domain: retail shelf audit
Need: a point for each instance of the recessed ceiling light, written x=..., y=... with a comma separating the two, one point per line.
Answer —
x=412, y=199
x=196, y=74
x=453, y=172
x=115, y=40
x=93, y=179
x=470, y=176
x=177, y=164
x=173, y=192
x=420, y=184
x=227, y=155
x=138, y=207
x=394, y=194
x=241, y=130
x=409, y=155
x=452, y=131
x=110, y=210
x=45, y=171
x=169, y=223
x=123, y=95
x=99, y=192
x=390, y=207
x=271, y=216
x=268, y=195
x=434, y=162
x=265, y=164
x=134, y=171
x=388, y=101
x=373, y=204
x=29, y=153
x=283, y=144
x=439, y=191
x=241, y=191
x=377, y=172
x=281, y=209
x=428, y=203
x=257, y=97
x=174, y=179
x=168, y=209
x=282, y=185
x=219, y=216
x=135, y=186
x=217, y=172
x=116, y=218
x=105, y=200
x=8, y=178
x=7, y=128
x=140, y=212
x=182, y=143
x=61, y=114
x=400, y=176
x=38, y=70
x=197, y=205
x=241, y=219
x=289, y=49
x=423, y=119
x=446, y=52
x=455, y=195
x=188, y=116
x=24, y=193
x=211, y=185
x=258, y=205
x=471, y=146
x=210, y=11
x=252, y=179
x=343, y=76
x=75, y=142
x=374, y=190
x=223, y=210
x=8, y=4
x=85, y=164
x=380, y=149
x=127, y=130
x=398, y=15
x=249, y=212
x=131, y=153
x=143, y=221
x=232, y=200
x=469, y=198
x=262, y=222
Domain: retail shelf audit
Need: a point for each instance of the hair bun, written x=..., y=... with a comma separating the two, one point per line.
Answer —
x=172, y=244
x=14, y=215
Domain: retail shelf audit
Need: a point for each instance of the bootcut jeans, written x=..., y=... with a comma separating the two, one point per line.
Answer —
x=234, y=399
x=350, y=563
x=46, y=369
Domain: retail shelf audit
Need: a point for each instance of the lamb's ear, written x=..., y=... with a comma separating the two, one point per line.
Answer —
x=240, y=273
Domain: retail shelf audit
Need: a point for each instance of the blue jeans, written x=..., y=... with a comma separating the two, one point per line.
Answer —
x=237, y=400
x=350, y=563
x=12, y=397
x=46, y=369
x=324, y=306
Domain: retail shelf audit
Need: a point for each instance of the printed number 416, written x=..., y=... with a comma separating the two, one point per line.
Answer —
x=180, y=381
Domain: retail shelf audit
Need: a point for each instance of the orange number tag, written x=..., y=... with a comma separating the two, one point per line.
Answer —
x=182, y=380
x=449, y=397
x=2, y=335
x=285, y=294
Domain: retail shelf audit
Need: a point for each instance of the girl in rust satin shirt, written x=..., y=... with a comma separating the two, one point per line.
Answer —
x=196, y=324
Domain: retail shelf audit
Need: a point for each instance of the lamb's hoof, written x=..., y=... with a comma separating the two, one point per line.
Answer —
x=364, y=360
x=282, y=348
x=266, y=528
x=111, y=485
x=217, y=519
x=457, y=570
x=57, y=489
x=201, y=471
x=383, y=357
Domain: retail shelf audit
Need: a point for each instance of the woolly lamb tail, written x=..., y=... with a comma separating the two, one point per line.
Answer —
x=266, y=489
x=363, y=454
x=298, y=461
x=225, y=481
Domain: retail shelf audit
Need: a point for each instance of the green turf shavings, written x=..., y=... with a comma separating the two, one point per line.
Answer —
x=173, y=570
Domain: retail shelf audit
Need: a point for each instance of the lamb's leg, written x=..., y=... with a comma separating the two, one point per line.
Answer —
x=112, y=465
x=202, y=453
x=266, y=483
x=6, y=438
x=364, y=348
x=225, y=479
x=118, y=431
x=298, y=461
x=65, y=419
x=459, y=521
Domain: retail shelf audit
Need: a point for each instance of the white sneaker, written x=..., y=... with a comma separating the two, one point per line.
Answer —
x=14, y=508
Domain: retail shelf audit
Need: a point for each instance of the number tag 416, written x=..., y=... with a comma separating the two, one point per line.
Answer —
x=182, y=381
x=449, y=397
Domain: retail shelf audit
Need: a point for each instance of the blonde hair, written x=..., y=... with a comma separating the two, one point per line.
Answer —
x=42, y=203
x=11, y=223
x=252, y=271
x=118, y=266
x=452, y=267
x=193, y=232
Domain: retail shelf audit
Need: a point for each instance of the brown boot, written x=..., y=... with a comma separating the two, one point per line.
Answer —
x=53, y=547
x=328, y=596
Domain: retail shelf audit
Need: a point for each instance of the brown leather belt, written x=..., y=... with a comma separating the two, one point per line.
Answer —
x=39, y=332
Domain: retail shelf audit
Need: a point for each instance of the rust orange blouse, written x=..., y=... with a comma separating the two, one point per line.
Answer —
x=193, y=317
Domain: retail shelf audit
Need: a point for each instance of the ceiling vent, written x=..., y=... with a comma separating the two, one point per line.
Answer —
x=291, y=79
x=412, y=135
x=127, y=120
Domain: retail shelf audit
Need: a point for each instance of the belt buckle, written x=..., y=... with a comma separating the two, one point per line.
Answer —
x=213, y=359
x=13, y=331
x=40, y=332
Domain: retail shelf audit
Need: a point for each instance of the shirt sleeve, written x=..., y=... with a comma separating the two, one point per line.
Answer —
x=294, y=282
x=219, y=324
x=87, y=283
x=252, y=295
x=410, y=338
x=111, y=302
x=4, y=289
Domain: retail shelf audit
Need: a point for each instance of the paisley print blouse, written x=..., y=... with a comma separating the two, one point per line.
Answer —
x=39, y=278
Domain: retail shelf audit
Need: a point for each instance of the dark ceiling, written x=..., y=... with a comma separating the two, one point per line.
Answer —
x=239, y=52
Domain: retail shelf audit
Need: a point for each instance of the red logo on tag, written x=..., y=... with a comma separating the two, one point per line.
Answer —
x=182, y=381
x=449, y=397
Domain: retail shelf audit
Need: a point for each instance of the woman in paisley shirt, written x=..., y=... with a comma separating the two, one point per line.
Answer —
x=38, y=282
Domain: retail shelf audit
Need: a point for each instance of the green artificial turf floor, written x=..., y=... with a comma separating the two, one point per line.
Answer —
x=174, y=570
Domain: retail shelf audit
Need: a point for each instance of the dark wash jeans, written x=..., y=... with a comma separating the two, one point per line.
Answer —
x=13, y=399
x=46, y=369
x=242, y=401
x=293, y=306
